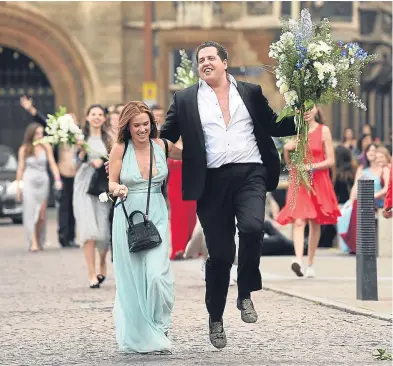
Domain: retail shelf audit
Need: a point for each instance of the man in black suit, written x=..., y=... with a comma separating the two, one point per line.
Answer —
x=229, y=163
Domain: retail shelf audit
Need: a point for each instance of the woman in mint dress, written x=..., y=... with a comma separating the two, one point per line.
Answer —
x=144, y=282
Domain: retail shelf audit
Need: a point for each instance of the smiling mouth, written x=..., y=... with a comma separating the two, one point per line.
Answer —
x=208, y=70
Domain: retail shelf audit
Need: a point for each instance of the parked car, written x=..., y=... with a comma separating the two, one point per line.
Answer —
x=8, y=166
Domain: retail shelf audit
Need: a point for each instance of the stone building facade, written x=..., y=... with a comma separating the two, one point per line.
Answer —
x=94, y=52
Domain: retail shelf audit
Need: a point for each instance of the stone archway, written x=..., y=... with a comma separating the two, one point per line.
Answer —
x=63, y=60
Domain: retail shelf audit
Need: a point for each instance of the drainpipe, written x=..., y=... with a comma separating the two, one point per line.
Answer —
x=148, y=37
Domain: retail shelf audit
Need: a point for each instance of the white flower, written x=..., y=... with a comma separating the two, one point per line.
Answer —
x=103, y=197
x=287, y=38
x=283, y=88
x=291, y=97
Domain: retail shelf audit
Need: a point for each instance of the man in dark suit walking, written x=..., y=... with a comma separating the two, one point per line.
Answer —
x=229, y=163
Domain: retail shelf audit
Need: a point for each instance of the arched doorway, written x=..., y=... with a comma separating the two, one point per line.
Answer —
x=71, y=75
x=20, y=75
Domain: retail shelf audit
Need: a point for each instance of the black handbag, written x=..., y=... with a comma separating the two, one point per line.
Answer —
x=98, y=183
x=144, y=235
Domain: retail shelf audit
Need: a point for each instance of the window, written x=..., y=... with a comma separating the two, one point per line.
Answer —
x=175, y=60
x=286, y=8
x=259, y=7
x=335, y=11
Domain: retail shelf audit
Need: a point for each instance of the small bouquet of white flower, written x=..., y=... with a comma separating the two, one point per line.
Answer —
x=105, y=197
x=61, y=129
x=185, y=75
x=313, y=69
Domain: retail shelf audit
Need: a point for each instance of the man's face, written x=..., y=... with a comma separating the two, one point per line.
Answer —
x=159, y=116
x=210, y=66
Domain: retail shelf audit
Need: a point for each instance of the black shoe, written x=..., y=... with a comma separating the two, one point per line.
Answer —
x=95, y=285
x=100, y=278
x=71, y=244
x=217, y=334
x=248, y=313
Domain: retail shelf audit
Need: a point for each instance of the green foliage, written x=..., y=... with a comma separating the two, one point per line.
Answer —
x=185, y=76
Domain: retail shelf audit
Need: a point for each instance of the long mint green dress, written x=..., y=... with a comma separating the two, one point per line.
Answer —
x=144, y=282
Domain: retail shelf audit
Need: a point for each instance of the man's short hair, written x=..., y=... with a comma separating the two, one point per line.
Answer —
x=156, y=107
x=221, y=50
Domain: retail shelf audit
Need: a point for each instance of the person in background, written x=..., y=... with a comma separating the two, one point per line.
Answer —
x=383, y=156
x=92, y=217
x=348, y=140
x=360, y=154
x=343, y=173
x=65, y=157
x=387, y=207
x=182, y=213
x=32, y=163
x=374, y=171
x=159, y=115
x=317, y=205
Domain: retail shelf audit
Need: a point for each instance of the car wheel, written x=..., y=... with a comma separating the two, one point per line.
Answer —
x=17, y=220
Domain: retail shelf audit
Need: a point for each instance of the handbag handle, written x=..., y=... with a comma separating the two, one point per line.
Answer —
x=145, y=216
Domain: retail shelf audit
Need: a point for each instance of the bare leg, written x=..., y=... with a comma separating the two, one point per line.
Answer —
x=103, y=254
x=89, y=249
x=298, y=238
x=41, y=222
x=313, y=240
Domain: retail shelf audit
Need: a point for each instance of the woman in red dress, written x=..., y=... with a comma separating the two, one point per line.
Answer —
x=317, y=206
x=182, y=213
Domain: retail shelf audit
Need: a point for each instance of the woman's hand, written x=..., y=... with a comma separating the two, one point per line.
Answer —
x=387, y=213
x=18, y=197
x=58, y=185
x=120, y=191
x=96, y=164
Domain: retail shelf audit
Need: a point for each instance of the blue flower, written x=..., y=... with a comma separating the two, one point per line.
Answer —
x=340, y=43
x=299, y=65
x=343, y=53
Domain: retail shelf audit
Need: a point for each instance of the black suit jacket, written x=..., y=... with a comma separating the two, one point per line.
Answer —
x=183, y=120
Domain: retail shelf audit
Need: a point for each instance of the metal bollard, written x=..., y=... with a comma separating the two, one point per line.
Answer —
x=366, y=246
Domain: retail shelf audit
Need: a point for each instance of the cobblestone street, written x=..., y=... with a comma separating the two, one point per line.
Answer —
x=49, y=316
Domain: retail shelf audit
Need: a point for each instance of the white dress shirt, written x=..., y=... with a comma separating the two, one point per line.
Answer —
x=235, y=143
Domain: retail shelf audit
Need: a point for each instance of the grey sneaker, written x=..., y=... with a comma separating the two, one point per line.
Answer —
x=248, y=313
x=217, y=334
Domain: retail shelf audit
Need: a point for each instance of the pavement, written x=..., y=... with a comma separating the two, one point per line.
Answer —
x=49, y=316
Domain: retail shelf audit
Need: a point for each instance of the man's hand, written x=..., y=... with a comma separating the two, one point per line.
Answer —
x=387, y=213
x=290, y=146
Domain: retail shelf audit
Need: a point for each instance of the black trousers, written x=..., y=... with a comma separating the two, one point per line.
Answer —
x=232, y=190
x=66, y=219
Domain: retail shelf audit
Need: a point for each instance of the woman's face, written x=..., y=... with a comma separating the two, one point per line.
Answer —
x=114, y=121
x=371, y=153
x=140, y=128
x=348, y=134
x=381, y=158
x=367, y=140
x=96, y=117
x=38, y=134
x=366, y=130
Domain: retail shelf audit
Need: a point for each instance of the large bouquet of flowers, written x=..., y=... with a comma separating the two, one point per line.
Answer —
x=313, y=69
x=62, y=129
x=185, y=75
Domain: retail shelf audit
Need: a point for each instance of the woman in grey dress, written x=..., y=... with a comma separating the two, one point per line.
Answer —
x=92, y=216
x=32, y=170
